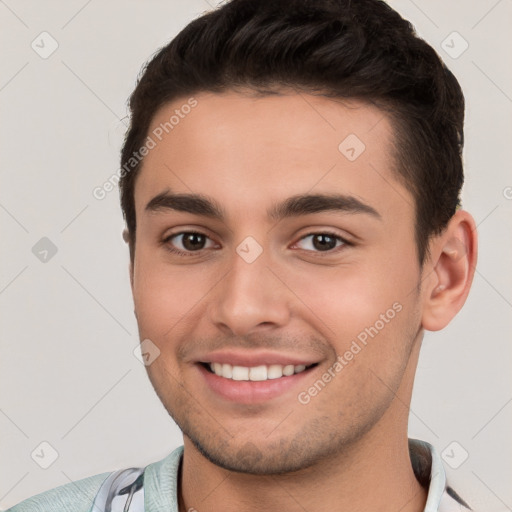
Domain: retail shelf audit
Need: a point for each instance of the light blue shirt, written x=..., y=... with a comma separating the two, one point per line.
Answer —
x=160, y=490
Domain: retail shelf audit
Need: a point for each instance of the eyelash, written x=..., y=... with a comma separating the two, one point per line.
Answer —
x=179, y=252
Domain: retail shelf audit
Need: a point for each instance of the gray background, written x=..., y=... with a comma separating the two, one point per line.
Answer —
x=69, y=376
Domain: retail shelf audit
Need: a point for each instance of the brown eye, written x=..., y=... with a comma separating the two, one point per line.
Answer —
x=193, y=241
x=188, y=241
x=321, y=242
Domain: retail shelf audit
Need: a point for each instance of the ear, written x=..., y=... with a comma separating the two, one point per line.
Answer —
x=126, y=238
x=453, y=256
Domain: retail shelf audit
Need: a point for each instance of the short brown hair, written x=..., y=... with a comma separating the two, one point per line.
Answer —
x=335, y=48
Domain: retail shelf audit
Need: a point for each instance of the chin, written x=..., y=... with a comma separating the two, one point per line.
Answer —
x=253, y=460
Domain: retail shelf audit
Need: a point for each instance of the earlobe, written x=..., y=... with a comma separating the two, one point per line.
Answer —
x=454, y=255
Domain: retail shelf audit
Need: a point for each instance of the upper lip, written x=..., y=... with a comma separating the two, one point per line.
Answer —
x=251, y=359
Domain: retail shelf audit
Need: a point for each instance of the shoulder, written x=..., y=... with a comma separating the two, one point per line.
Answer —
x=160, y=480
x=73, y=497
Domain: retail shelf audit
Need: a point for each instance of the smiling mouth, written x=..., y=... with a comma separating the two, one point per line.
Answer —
x=255, y=373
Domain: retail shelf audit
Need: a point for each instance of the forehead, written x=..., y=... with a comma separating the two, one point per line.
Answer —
x=247, y=150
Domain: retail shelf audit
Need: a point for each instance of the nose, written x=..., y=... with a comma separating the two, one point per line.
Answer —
x=249, y=298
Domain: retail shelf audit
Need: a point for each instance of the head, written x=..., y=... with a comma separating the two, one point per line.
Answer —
x=274, y=120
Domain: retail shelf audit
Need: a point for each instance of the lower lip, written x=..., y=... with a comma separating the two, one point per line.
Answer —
x=251, y=392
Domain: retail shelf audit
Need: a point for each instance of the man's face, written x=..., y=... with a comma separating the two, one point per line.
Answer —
x=276, y=291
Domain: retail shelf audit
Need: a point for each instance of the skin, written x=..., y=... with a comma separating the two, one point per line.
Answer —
x=248, y=153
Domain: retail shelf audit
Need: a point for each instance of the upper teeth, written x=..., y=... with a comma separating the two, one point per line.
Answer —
x=263, y=372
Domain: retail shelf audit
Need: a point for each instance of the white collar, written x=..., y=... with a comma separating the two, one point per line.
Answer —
x=438, y=499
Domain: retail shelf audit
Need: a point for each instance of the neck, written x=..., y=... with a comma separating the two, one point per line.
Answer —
x=374, y=475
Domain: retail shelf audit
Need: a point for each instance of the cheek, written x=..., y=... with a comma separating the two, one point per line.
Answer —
x=371, y=321
x=165, y=295
x=346, y=299
x=366, y=309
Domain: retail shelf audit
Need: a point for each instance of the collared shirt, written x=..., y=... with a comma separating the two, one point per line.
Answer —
x=155, y=487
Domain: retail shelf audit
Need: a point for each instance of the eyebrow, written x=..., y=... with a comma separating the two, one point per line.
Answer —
x=303, y=204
